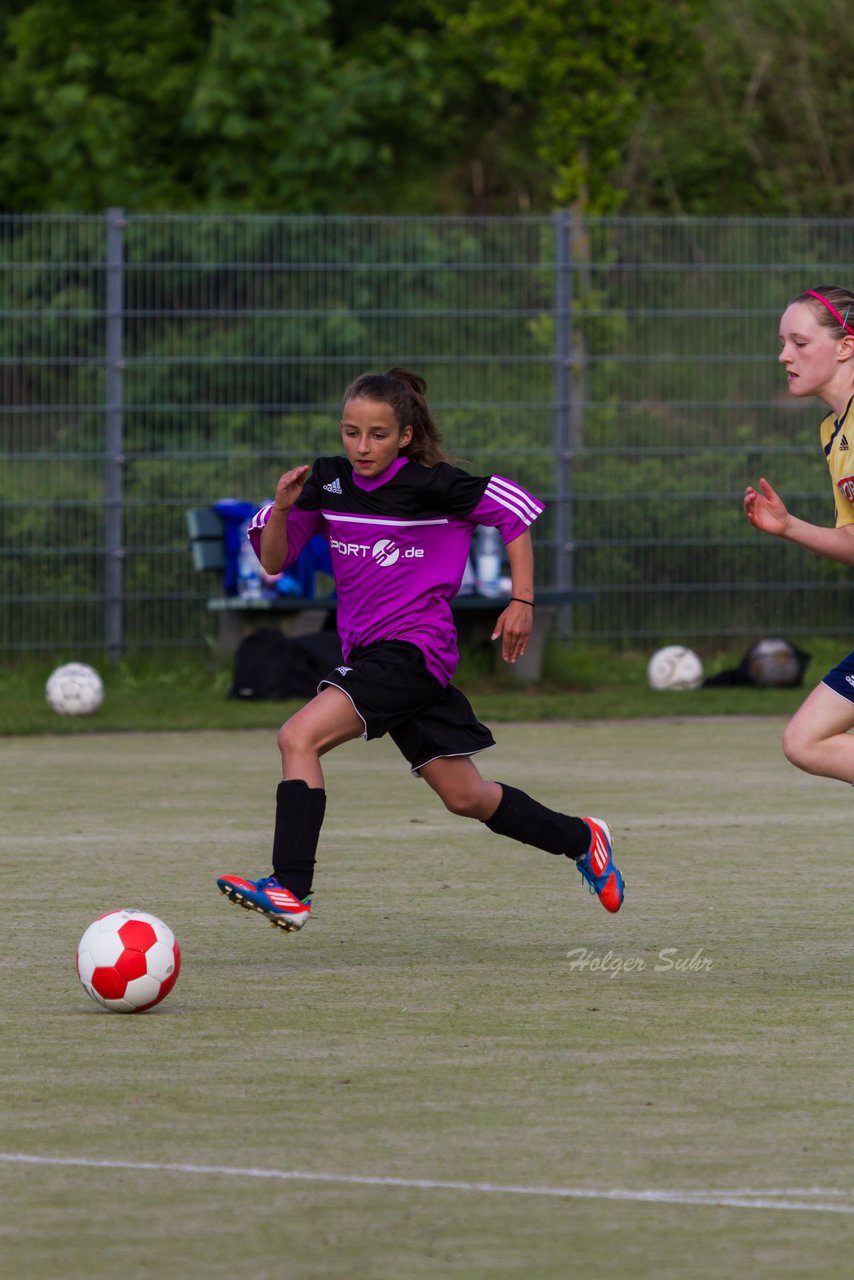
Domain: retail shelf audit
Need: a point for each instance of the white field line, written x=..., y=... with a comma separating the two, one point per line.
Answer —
x=808, y=1199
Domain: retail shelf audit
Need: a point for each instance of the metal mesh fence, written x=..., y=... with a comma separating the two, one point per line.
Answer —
x=623, y=369
x=683, y=402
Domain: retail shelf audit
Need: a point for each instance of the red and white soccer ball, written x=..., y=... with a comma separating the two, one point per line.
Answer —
x=128, y=961
x=74, y=689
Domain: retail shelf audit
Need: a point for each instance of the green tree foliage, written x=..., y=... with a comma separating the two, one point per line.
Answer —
x=764, y=125
x=285, y=119
x=89, y=99
x=427, y=106
x=584, y=71
x=250, y=106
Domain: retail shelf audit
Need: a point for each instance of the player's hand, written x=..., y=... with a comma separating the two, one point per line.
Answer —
x=765, y=509
x=290, y=487
x=514, y=626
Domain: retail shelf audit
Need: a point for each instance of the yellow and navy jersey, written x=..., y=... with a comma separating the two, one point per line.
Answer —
x=837, y=440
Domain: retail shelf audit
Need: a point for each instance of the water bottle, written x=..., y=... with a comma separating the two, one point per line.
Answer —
x=490, y=552
x=249, y=582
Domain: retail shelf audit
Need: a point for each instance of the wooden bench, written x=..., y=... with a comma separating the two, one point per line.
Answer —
x=474, y=617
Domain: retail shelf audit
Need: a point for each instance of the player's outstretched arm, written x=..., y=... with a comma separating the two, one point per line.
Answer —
x=766, y=510
x=274, y=536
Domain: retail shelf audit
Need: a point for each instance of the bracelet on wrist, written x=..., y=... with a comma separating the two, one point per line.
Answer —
x=519, y=600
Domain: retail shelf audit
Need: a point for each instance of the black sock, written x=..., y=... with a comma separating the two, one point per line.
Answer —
x=299, y=817
x=526, y=820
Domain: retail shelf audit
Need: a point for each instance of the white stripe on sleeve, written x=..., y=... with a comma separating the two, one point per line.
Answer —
x=517, y=500
x=260, y=517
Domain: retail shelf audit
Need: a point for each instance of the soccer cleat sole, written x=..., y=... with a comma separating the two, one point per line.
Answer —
x=240, y=900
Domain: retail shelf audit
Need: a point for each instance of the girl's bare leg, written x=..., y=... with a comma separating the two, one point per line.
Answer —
x=817, y=738
x=459, y=785
x=325, y=722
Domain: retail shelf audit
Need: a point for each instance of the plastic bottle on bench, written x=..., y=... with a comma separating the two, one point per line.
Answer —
x=250, y=584
x=490, y=552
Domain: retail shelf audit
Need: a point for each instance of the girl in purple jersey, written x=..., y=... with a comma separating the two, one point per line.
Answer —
x=399, y=520
x=817, y=352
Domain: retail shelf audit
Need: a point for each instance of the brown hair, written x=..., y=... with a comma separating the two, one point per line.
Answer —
x=832, y=306
x=404, y=391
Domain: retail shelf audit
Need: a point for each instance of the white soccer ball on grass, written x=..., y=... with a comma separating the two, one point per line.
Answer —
x=74, y=689
x=674, y=667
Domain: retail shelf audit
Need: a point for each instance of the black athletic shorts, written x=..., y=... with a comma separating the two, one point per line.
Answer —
x=394, y=693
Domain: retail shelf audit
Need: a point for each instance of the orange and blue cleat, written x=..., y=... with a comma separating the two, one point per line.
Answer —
x=597, y=867
x=273, y=900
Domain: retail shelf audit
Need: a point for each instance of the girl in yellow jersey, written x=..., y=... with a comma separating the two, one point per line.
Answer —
x=817, y=352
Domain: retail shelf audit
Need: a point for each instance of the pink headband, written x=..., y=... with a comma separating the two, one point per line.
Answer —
x=842, y=320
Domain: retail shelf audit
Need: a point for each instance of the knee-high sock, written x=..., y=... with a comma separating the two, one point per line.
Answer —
x=526, y=820
x=299, y=817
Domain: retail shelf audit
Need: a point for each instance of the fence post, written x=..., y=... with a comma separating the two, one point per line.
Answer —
x=564, y=566
x=113, y=435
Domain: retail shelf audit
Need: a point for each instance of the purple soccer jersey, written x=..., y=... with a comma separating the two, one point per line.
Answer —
x=399, y=545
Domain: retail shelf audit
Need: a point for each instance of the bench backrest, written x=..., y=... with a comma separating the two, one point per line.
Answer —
x=212, y=548
x=207, y=539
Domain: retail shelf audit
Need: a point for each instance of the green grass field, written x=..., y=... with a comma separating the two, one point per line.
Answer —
x=185, y=691
x=463, y=1067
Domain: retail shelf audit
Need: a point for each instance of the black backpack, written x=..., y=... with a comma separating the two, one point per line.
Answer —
x=769, y=664
x=269, y=665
